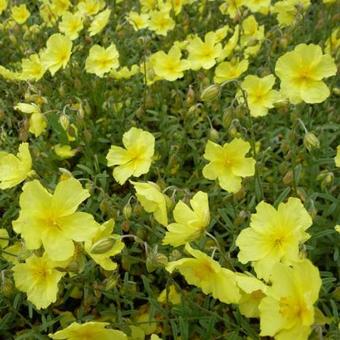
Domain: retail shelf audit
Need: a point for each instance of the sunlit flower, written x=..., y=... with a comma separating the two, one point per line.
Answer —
x=169, y=66
x=138, y=21
x=64, y=151
x=57, y=52
x=301, y=72
x=204, y=272
x=32, y=68
x=287, y=312
x=52, y=220
x=259, y=94
x=15, y=169
x=91, y=7
x=135, y=159
x=90, y=331
x=71, y=25
x=102, y=60
x=3, y=5
x=99, y=22
x=230, y=70
x=274, y=236
x=170, y=294
x=161, y=22
x=37, y=121
x=190, y=222
x=152, y=200
x=203, y=54
x=38, y=278
x=20, y=14
x=228, y=163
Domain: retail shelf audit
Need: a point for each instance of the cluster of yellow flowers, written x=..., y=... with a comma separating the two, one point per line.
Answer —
x=55, y=233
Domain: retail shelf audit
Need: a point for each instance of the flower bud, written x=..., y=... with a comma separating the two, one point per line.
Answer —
x=127, y=210
x=190, y=99
x=228, y=117
x=102, y=246
x=310, y=141
x=213, y=135
x=155, y=260
x=210, y=93
x=64, y=121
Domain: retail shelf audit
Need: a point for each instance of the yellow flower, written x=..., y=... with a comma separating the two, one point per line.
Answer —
x=252, y=293
x=274, y=236
x=152, y=200
x=230, y=45
x=138, y=21
x=92, y=330
x=203, y=54
x=99, y=22
x=125, y=72
x=32, y=68
x=228, y=163
x=207, y=274
x=103, y=245
x=148, y=5
x=161, y=22
x=15, y=169
x=52, y=220
x=252, y=35
x=38, y=278
x=20, y=14
x=259, y=94
x=169, y=66
x=102, y=60
x=190, y=223
x=64, y=151
x=337, y=157
x=230, y=70
x=71, y=25
x=332, y=44
x=301, y=72
x=3, y=5
x=258, y=6
x=288, y=11
x=170, y=294
x=57, y=53
x=288, y=312
x=232, y=7
x=60, y=7
x=135, y=159
x=91, y=7
x=37, y=122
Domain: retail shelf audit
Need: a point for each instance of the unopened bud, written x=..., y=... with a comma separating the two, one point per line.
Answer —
x=210, y=93
x=310, y=141
x=102, y=246
x=155, y=260
x=190, y=96
x=228, y=117
x=127, y=210
x=213, y=135
x=64, y=121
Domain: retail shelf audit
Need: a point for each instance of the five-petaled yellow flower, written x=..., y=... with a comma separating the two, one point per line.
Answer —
x=259, y=94
x=204, y=272
x=135, y=159
x=190, y=222
x=203, y=54
x=20, y=14
x=71, y=24
x=57, y=52
x=274, y=236
x=287, y=312
x=102, y=60
x=38, y=278
x=52, y=220
x=301, y=72
x=152, y=200
x=228, y=163
x=92, y=330
x=15, y=169
x=169, y=66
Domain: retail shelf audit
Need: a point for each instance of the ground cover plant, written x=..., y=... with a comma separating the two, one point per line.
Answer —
x=169, y=169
